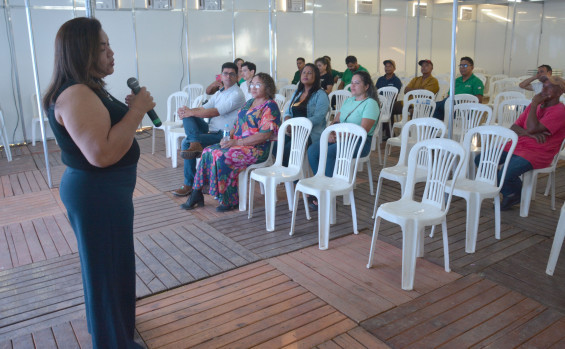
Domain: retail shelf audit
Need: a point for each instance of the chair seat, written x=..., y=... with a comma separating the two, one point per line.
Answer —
x=464, y=185
x=399, y=172
x=405, y=210
x=169, y=124
x=276, y=171
x=317, y=183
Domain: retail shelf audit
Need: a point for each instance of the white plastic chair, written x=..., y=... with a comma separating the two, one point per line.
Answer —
x=243, y=178
x=390, y=92
x=287, y=91
x=272, y=176
x=503, y=85
x=467, y=116
x=347, y=87
x=421, y=108
x=193, y=91
x=557, y=243
x=4, y=137
x=414, y=131
x=174, y=102
x=326, y=189
x=490, y=83
x=501, y=97
x=282, y=82
x=378, y=134
x=509, y=111
x=280, y=100
x=36, y=120
x=443, y=156
x=481, y=77
x=178, y=133
x=484, y=185
x=340, y=97
x=458, y=99
x=407, y=97
x=529, y=180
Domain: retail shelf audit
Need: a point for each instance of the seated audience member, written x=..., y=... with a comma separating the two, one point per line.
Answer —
x=540, y=129
x=352, y=68
x=424, y=82
x=467, y=83
x=239, y=63
x=308, y=101
x=335, y=74
x=300, y=62
x=248, y=70
x=389, y=79
x=217, y=84
x=257, y=122
x=530, y=85
x=361, y=109
x=221, y=109
x=326, y=79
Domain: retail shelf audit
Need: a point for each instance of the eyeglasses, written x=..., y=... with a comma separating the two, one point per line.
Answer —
x=256, y=85
x=464, y=65
x=228, y=74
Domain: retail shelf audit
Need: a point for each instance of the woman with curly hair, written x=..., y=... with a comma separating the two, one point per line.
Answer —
x=257, y=123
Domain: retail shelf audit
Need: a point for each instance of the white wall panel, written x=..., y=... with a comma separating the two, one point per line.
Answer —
x=294, y=39
x=491, y=31
x=526, y=38
x=363, y=43
x=252, y=38
x=330, y=37
x=552, y=45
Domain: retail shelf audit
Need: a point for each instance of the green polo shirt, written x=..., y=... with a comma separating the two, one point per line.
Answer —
x=336, y=73
x=348, y=74
x=296, y=78
x=473, y=86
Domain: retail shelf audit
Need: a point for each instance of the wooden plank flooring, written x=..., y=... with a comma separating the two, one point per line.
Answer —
x=210, y=279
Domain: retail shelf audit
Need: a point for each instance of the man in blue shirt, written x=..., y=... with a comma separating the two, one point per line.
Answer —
x=389, y=79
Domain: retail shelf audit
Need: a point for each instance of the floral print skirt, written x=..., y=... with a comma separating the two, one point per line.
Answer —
x=220, y=168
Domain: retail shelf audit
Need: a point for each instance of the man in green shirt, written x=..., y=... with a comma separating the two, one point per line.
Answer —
x=352, y=68
x=467, y=83
x=300, y=63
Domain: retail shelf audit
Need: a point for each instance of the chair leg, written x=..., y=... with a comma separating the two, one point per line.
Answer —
x=386, y=153
x=376, y=227
x=324, y=216
x=251, y=195
x=294, y=206
x=174, y=153
x=242, y=189
x=307, y=209
x=370, y=175
x=289, y=187
x=557, y=244
x=333, y=207
x=153, y=141
x=527, y=188
x=552, y=178
x=270, y=203
x=379, y=185
x=497, y=217
x=445, y=246
x=409, y=251
x=353, y=212
x=33, y=131
x=472, y=226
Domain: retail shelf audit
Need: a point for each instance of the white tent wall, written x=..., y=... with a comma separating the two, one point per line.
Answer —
x=326, y=27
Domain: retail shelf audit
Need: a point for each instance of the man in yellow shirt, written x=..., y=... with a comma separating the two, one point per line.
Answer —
x=424, y=82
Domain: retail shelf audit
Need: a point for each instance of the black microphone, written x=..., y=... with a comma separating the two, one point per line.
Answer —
x=134, y=85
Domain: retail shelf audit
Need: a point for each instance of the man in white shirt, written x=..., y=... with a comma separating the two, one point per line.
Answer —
x=222, y=110
x=248, y=72
x=530, y=85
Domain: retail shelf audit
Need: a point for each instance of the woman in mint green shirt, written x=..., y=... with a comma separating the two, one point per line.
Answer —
x=361, y=109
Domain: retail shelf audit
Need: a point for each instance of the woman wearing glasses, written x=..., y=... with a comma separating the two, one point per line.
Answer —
x=361, y=109
x=257, y=122
x=309, y=101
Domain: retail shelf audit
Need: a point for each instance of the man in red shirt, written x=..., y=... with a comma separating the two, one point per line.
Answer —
x=541, y=130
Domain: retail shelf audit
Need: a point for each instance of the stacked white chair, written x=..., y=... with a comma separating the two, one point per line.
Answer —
x=484, y=184
x=501, y=97
x=408, y=96
x=444, y=157
x=193, y=91
x=481, y=77
x=177, y=133
x=390, y=93
x=458, y=99
x=504, y=85
x=557, y=243
x=467, y=116
x=415, y=130
x=509, y=110
x=280, y=100
x=287, y=91
x=489, y=87
x=282, y=82
x=529, y=180
x=326, y=189
x=421, y=108
x=4, y=137
x=272, y=176
x=174, y=102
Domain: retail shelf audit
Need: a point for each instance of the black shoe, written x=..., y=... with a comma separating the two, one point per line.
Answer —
x=509, y=201
x=312, y=204
x=225, y=208
x=196, y=199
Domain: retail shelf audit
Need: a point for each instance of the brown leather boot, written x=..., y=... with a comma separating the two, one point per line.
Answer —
x=184, y=190
x=193, y=152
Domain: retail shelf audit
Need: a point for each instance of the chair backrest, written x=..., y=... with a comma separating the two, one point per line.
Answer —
x=491, y=80
x=507, y=84
x=458, y=99
x=492, y=140
x=287, y=91
x=348, y=138
x=384, y=116
x=556, y=157
x=443, y=156
x=280, y=99
x=418, y=94
x=502, y=96
x=390, y=92
x=417, y=130
x=422, y=107
x=282, y=82
x=340, y=97
x=300, y=129
x=198, y=101
x=285, y=107
x=469, y=115
x=509, y=110
x=174, y=102
x=347, y=87
x=193, y=91
x=481, y=76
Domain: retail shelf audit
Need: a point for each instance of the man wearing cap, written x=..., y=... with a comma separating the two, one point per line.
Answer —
x=352, y=68
x=389, y=79
x=540, y=129
x=424, y=82
x=530, y=85
x=467, y=83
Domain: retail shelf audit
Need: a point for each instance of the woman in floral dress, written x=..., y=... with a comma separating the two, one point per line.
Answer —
x=257, y=123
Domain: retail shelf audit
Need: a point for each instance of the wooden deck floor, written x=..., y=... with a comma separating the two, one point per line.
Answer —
x=208, y=279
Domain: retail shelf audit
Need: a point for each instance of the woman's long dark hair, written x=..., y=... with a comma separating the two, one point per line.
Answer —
x=315, y=87
x=77, y=48
x=372, y=91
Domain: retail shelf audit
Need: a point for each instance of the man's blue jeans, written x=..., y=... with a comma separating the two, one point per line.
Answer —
x=196, y=130
x=439, y=112
x=516, y=167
